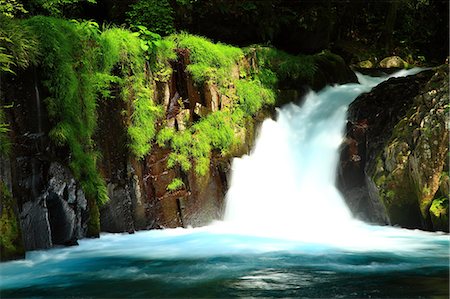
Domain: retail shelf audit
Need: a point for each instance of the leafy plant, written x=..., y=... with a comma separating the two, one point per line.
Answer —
x=175, y=184
x=18, y=45
x=10, y=8
x=124, y=49
x=209, y=61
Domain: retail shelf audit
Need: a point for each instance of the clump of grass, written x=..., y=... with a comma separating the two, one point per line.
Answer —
x=253, y=96
x=194, y=145
x=175, y=184
x=18, y=45
x=209, y=61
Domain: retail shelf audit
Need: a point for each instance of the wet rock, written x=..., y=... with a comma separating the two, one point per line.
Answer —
x=119, y=204
x=403, y=147
x=66, y=205
x=393, y=62
x=35, y=222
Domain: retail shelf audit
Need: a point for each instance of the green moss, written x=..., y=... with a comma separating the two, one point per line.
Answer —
x=252, y=96
x=209, y=61
x=10, y=237
x=439, y=214
x=176, y=184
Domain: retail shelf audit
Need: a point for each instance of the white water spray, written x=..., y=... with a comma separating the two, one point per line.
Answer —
x=286, y=186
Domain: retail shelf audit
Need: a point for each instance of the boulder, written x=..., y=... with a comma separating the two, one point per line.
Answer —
x=399, y=132
x=393, y=62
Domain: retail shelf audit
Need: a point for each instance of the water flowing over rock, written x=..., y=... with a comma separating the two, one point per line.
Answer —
x=52, y=208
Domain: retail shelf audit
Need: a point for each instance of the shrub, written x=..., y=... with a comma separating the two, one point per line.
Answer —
x=209, y=61
x=252, y=96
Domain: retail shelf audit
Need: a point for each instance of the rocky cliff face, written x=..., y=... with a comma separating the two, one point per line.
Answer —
x=46, y=205
x=394, y=161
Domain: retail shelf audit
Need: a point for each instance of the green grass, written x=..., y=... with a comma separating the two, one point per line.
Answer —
x=253, y=96
x=209, y=61
x=195, y=145
x=18, y=45
x=176, y=184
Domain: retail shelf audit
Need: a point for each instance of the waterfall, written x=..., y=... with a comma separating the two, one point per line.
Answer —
x=286, y=186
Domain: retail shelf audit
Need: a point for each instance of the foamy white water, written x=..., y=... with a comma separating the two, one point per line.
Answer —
x=286, y=186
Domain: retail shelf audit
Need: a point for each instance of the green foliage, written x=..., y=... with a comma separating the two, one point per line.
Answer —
x=70, y=65
x=10, y=8
x=55, y=7
x=252, y=96
x=194, y=145
x=18, y=45
x=159, y=52
x=10, y=235
x=124, y=49
x=176, y=184
x=209, y=61
x=144, y=119
x=5, y=144
x=149, y=40
x=440, y=206
x=285, y=66
x=156, y=15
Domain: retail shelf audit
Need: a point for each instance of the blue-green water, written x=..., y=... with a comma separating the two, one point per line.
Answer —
x=212, y=262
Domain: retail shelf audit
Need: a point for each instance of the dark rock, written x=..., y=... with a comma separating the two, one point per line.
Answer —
x=390, y=162
x=35, y=223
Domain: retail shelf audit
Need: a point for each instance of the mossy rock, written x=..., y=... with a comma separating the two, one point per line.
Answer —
x=439, y=214
x=366, y=64
x=393, y=62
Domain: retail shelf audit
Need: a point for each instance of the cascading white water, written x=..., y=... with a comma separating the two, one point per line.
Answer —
x=286, y=186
